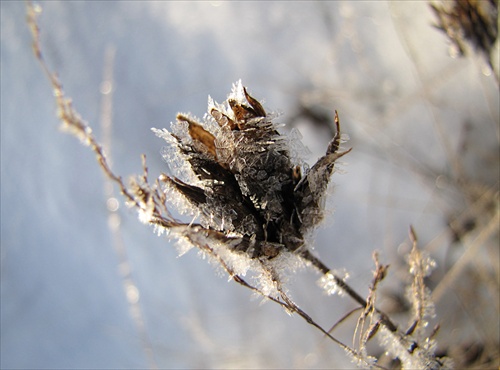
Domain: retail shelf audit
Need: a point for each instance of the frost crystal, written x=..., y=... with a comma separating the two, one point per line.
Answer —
x=330, y=282
x=421, y=263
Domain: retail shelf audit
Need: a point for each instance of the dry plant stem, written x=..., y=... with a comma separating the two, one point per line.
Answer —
x=70, y=119
x=286, y=303
x=347, y=289
x=472, y=249
x=147, y=198
x=369, y=309
x=343, y=318
x=113, y=217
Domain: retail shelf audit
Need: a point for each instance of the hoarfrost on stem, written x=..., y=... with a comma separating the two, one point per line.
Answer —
x=329, y=282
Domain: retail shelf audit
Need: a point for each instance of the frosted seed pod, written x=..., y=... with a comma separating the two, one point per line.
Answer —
x=243, y=175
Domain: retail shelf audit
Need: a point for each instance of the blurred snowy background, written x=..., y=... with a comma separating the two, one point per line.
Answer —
x=80, y=292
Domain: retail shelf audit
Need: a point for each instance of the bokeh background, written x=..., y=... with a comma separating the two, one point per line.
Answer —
x=85, y=285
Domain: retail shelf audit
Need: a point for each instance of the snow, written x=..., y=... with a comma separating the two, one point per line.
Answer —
x=64, y=303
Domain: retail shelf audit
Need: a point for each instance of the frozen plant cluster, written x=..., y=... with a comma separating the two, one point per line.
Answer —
x=236, y=175
x=416, y=347
x=252, y=204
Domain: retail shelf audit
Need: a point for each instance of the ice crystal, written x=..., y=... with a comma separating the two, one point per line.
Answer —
x=421, y=263
x=420, y=266
x=360, y=360
x=411, y=354
x=330, y=282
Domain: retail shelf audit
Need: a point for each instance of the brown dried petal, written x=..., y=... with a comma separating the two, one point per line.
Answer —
x=199, y=134
x=259, y=110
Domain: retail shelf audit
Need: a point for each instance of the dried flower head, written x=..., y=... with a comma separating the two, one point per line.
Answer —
x=239, y=176
x=469, y=23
